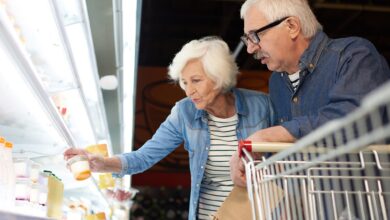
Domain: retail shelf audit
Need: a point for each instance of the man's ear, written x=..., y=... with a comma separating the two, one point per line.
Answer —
x=294, y=26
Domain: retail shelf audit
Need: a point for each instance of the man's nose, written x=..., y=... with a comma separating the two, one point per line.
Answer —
x=251, y=47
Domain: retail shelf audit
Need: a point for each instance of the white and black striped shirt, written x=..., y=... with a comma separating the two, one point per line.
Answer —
x=294, y=79
x=216, y=184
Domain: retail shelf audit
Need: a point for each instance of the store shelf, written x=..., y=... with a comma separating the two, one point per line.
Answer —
x=26, y=115
x=49, y=93
x=19, y=216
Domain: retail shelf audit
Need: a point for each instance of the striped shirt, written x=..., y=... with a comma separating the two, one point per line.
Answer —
x=216, y=184
x=294, y=79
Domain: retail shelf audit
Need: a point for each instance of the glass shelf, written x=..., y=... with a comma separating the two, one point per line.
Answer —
x=49, y=94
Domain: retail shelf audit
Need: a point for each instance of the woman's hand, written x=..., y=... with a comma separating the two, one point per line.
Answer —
x=96, y=162
x=237, y=171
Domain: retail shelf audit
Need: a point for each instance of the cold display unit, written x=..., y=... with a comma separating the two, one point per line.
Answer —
x=50, y=100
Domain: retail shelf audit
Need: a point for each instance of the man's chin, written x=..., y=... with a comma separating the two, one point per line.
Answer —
x=270, y=67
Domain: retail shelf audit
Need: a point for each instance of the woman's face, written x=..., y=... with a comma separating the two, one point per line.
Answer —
x=197, y=86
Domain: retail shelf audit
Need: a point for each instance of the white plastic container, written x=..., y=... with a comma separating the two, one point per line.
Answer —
x=79, y=166
x=22, y=167
x=34, y=193
x=34, y=172
x=3, y=177
x=22, y=190
x=7, y=176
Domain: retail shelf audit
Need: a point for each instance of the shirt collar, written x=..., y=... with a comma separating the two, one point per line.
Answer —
x=310, y=57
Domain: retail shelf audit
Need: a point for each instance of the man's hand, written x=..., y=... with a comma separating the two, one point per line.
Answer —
x=237, y=171
x=272, y=134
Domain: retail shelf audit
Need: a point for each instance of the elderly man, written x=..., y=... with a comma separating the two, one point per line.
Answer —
x=315, y=78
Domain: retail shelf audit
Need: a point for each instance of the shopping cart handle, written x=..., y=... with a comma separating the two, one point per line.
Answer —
x=244, y=144
x=262, y=146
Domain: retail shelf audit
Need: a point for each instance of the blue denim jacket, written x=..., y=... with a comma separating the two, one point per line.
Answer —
x=335, y=75
x=189, y=125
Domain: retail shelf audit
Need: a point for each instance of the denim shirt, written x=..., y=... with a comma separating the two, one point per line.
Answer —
x=335, y=75
x=189, y=125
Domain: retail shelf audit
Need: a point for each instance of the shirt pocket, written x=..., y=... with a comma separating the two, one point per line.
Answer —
x=195, y=140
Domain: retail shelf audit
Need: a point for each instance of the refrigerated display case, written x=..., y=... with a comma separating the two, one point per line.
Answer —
x=49, y=93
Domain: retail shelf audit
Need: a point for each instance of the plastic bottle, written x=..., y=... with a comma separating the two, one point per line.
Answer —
x=3, y=178
x=10, y=176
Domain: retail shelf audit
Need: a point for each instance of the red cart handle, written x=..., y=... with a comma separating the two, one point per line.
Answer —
x=244, y=144
x=262, y=146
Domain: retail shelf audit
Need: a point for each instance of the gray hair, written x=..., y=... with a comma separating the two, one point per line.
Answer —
x=276, y=9
x=218, y=62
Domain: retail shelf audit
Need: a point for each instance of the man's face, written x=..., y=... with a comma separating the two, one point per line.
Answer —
x=274, y=45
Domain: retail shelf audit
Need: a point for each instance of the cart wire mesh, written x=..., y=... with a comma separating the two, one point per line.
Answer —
x=339, y=171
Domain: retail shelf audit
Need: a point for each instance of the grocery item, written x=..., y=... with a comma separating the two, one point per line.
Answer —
x=22, y=190
x=22, y=167
x=55, y=196
x=79, y=166
x=7, y=175
x=106, y=181
x=35, y=169
x=100, y=149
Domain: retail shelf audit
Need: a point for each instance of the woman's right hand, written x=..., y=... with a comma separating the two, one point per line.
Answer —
x=96, y=162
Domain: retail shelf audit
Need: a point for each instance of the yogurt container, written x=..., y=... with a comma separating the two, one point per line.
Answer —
x=79, y=166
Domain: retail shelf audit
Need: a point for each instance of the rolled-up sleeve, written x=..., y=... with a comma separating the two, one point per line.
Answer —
x=125, y=166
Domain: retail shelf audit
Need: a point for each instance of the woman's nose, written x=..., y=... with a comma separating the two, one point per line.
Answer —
x=189, y=90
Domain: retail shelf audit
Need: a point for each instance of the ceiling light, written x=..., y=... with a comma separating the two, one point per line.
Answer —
x=109, y=82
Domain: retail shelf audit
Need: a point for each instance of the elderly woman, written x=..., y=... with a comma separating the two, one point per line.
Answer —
x=209, y=122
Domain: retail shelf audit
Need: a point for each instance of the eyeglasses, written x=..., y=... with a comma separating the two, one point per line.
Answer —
x=253, y=36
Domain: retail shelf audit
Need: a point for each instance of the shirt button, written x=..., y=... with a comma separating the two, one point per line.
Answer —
x=197, y=185
x=207, y=148
x=311, y=66
x=201, y=167
x=295, y=99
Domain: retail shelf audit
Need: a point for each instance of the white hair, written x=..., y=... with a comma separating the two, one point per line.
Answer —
x=277, y=9
x=218, y=62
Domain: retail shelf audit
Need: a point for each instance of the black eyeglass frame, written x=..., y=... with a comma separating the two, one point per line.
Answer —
x=253, y=36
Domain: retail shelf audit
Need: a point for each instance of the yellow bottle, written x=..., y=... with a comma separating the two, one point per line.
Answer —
x=55, y=197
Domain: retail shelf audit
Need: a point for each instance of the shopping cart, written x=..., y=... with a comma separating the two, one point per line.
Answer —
x=339, y=171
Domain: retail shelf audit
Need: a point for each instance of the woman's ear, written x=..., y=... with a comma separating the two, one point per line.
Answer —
x=294, y=26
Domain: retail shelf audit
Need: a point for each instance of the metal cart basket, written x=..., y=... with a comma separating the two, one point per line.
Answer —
x=339, y=171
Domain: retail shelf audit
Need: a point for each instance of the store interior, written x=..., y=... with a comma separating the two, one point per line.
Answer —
x=162, y=35
x=41, y=132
